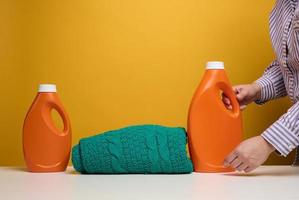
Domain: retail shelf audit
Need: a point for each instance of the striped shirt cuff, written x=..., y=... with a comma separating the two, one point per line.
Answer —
x=270, y=89
x=267, y=90
x=282, y=138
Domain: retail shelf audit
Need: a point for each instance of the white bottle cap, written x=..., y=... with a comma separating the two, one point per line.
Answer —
x=215, y=65
x=47, y=88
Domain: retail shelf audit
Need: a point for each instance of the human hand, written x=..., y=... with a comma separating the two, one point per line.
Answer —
x=250, y=154
x=245, y=95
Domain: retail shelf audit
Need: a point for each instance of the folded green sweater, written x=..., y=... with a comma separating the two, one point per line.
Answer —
x=134, y=149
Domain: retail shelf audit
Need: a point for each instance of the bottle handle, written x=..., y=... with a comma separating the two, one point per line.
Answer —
x=228, y=91
x=66, y=122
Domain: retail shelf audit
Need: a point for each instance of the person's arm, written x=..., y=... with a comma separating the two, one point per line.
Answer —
x=284, y=133
x=271, y=84
x=282, y=136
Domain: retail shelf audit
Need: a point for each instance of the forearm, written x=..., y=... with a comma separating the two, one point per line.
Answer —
x=271, y=84
x=283, y=135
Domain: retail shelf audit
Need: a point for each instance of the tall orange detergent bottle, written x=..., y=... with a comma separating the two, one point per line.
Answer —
x=213, y=130
x=45, y=147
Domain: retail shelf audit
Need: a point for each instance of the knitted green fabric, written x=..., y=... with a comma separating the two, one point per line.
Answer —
x=134, y=149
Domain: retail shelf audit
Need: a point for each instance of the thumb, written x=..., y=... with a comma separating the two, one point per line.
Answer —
x=240, y=93
x=237, y=89
x=241, y=96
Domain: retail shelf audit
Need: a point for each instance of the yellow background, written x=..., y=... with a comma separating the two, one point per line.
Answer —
x=124, y=62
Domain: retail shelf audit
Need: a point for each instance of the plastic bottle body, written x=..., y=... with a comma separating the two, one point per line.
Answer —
x=213, y=130
x=45, y=147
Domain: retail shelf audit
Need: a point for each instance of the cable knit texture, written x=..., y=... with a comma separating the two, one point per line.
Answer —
x=138, y=149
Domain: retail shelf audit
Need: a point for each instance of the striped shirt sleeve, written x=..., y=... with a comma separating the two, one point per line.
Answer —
x=271, y=83
x=284, y=133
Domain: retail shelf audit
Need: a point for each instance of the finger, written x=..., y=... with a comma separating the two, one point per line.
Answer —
x=242, y=167
x=226, y=100
x=237, y=89
x=242, y=107
x=249, y=169
x=230, y=158
x=227, y=104
x=241, y=95
x=236, y=163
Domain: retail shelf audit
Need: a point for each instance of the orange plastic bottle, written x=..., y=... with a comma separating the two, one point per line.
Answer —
x=45, y=147
x=213, y=130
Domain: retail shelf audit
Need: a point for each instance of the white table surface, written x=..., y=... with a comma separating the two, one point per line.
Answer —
x=266, y=182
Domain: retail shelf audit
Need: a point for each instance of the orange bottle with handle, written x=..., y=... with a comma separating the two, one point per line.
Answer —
x=45, y=147
x=213, y=130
